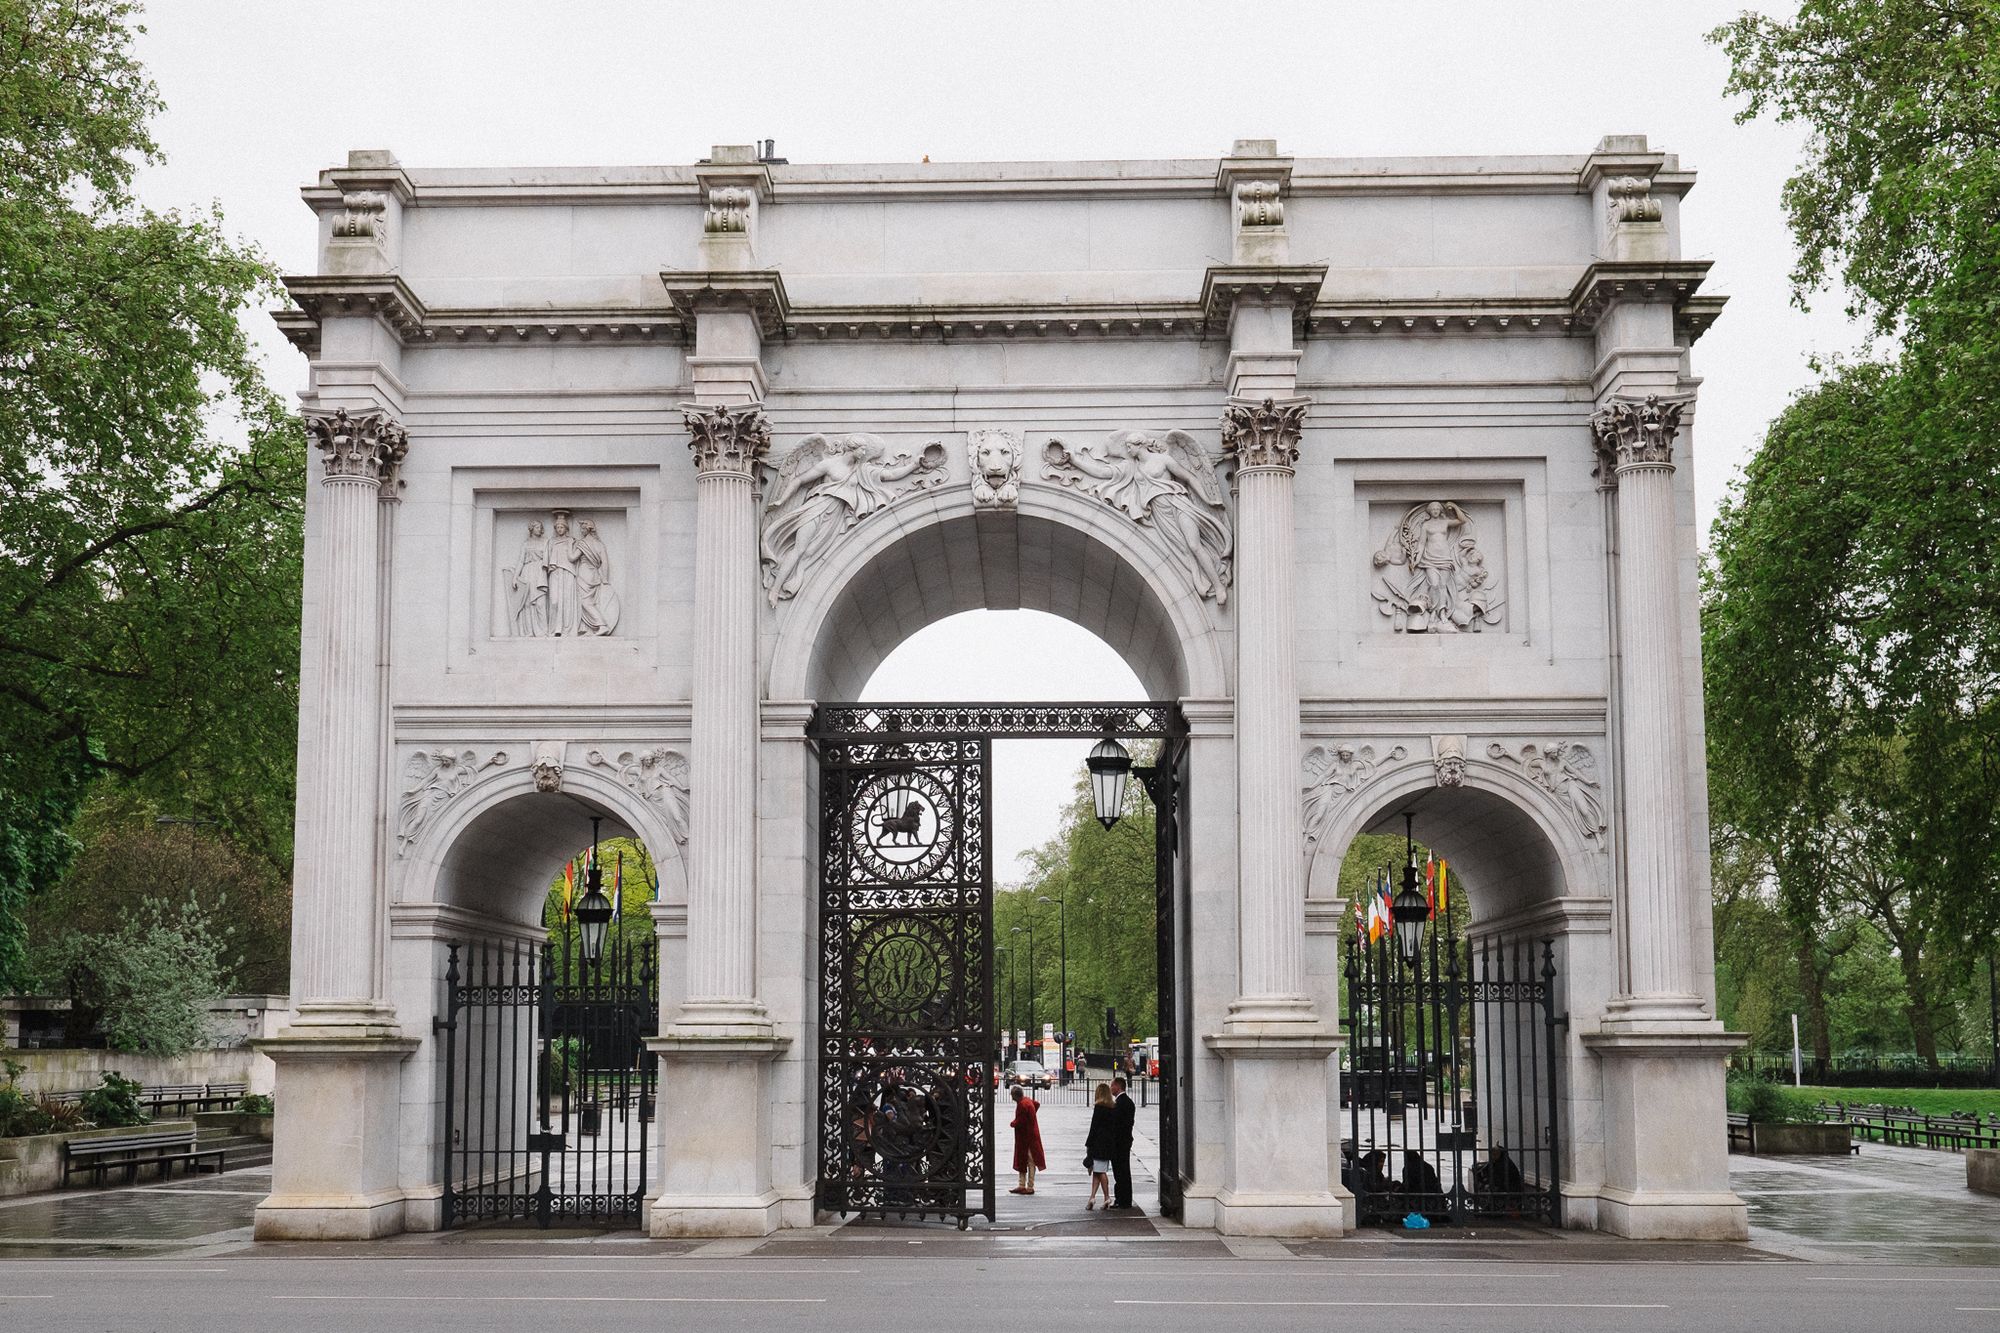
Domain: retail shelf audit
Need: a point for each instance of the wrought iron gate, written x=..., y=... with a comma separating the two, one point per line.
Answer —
x=908, y=1040
x=906, y=968
x=549, y=1088
x=1450, y=1094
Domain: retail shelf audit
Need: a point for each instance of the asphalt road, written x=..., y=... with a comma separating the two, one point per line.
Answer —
x=554, y=1289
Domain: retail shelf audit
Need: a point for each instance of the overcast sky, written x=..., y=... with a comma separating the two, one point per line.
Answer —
x=261, y=94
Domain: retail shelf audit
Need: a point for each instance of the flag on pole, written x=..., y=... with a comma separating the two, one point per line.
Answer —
x=618, y=886
x=1430, y=884
x=569, y=888
x=1444, y=874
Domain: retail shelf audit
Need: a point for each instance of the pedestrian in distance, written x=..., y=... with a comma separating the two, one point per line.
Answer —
x=1027, y=1127
x=1097, y=1145
x=1123, y=1113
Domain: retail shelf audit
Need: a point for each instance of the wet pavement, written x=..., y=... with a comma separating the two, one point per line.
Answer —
x=1884, y=1205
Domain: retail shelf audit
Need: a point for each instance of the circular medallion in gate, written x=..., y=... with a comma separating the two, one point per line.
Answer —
x=904, y=826
x=904, y=974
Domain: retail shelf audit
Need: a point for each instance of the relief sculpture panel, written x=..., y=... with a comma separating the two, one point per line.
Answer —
x=559, y=583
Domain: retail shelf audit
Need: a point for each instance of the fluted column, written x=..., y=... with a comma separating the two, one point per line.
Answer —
x=1264, y=437
x=722, y=834
x=334, y=973
x=1635, y=439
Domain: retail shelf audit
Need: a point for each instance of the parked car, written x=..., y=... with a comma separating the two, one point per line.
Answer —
x=1028, y=1074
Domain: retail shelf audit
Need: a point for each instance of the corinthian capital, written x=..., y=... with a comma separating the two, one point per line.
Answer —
x=726, y=439
x=366, y=446
x=1636, y=432
x=1263, y=434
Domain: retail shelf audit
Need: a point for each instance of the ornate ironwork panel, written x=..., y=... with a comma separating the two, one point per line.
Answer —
x=1001, y=721
x=906, y=963
x=1450, y=1089
x=549, y=1088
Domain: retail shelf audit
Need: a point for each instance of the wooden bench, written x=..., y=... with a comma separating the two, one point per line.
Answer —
x=163, y=1147
x=192, y=1096
x=1741, y=1136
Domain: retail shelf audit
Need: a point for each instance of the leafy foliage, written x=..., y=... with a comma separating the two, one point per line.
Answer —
x=1768, y=1104
x=114, y=1102
x=1852, y=610
x=150, y=981
x=150, y=484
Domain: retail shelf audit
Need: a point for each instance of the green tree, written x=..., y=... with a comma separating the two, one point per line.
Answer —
x=150, y=483
x=151, y=980
x=1852, y=609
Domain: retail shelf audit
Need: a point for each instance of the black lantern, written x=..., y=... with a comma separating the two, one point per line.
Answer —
x=1110, y=765
x=593, y=914
x=1410, y=911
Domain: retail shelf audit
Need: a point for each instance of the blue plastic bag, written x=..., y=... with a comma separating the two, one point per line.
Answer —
x=1416, y=1222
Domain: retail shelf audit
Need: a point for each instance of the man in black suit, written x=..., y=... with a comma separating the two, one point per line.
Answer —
x=1123, y=1113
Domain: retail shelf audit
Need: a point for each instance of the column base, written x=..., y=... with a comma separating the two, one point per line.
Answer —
x=1666, y=1139
x=337, y=1142
x=1254, y=1014
x=715, y=1132
x=1277, y=1172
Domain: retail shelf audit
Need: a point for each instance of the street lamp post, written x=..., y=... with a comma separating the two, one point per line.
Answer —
x=1062, y=946
x=1007, y=1021
x=1032, y=1029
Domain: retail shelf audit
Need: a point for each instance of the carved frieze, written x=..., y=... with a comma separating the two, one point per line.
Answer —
x=1263, y=434
x=365, y=446
x=1567, y=771
x=726, y=439
x=430, y=779
x=1636, y=432
x=559, y=585
x=1162, y=481
x=1434, y=577
x=1334, y=773
x=824, y=488
x=659, y=775
x=995, y=459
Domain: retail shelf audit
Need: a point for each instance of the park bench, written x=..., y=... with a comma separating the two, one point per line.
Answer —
x=184, y=1097
x=1742, y=1138
x=163, y=1147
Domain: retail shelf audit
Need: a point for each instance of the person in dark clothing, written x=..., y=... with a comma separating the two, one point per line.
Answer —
x=1123, y=1112
x=1422, y=1188
x=1097, y=1150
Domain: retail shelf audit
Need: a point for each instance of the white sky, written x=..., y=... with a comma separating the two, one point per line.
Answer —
x=263, y=93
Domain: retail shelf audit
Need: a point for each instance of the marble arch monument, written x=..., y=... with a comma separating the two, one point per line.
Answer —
x=1373, y=465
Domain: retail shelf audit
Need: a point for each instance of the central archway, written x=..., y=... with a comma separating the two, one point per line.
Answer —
x=1062, y=554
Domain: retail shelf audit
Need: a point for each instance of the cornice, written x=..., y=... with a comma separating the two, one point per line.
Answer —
x=1607, y=282
x=1223, y=285
x=384, y=295
x=761, y=291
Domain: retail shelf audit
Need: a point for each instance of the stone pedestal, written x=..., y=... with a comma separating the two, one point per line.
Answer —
x=1666, y=1149
x=336, y=1141
x=715, y=1131
x=1278, y=1172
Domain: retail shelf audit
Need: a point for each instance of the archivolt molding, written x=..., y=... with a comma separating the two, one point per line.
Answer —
x=422, y=863
x=1585, y=866
x=798, y=627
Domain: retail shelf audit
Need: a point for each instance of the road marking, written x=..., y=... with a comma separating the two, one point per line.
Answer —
x=10, y=1296
x=1302, y=1270
x=579, y=1297
x=1903, y=1279
x=428, y=1271
x=102, y=1267
x=1426, y=1305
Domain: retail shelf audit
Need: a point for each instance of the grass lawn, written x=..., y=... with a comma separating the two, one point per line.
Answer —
x=1929, y=1101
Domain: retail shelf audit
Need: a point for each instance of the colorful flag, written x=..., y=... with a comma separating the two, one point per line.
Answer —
x=1430, y=884
x=1444, y=874
x=618, y=886
x=569, y=888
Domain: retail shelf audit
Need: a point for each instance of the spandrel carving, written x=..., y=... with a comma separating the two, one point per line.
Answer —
x=824, y=488
x=1160, y=480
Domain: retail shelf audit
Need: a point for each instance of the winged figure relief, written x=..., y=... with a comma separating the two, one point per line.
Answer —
x=824, y=487
x=1161, y=480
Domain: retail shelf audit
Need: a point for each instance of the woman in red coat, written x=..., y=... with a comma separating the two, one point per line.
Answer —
x=1027, y=1141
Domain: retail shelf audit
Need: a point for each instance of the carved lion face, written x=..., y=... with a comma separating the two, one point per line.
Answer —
x=995, y=455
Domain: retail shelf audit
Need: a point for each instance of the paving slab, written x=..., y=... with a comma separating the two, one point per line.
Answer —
x=1883, y=1205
